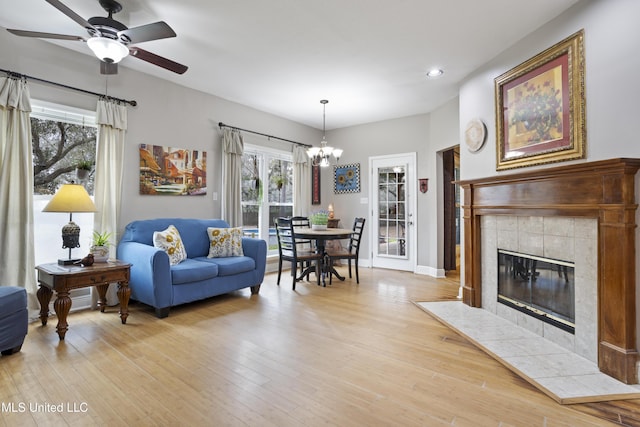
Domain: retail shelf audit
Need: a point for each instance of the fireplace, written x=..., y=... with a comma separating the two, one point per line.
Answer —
x=543, y=288
x=601, y=192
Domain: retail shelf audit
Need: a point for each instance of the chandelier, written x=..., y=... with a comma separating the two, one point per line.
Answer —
x=321, y=155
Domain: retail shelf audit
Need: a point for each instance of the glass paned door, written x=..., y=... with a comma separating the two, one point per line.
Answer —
x=392, y=217
x=393, y=202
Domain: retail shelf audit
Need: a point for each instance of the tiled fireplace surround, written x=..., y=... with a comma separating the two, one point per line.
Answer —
x=585, y=213
x=562, y=238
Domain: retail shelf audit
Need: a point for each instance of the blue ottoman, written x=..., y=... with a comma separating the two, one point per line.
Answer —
x=14, y=319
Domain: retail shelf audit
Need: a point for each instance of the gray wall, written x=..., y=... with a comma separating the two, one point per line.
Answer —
x=426, y=135
x=611, y=84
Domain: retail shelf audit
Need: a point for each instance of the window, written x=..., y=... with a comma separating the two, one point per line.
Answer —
x=267, y=192
x=62, y=137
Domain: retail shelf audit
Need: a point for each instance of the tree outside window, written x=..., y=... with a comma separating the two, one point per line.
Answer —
x=58, y=149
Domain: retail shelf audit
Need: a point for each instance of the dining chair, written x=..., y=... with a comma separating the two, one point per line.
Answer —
x=303, y=244
x=352, y=252
x=288, y=250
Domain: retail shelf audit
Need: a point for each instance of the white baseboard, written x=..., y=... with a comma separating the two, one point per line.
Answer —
x=430, y=271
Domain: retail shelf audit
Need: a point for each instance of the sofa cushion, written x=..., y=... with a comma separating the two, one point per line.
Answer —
x=192, y=231
x=169, y=241
x=231, y=265
x=190, y=270
x=225, y=242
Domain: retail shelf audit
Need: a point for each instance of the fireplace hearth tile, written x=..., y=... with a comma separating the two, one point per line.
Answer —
x=529, y=346
x=561, y=374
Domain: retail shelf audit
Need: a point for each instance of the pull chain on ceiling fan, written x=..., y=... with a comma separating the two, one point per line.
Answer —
x=110, y=40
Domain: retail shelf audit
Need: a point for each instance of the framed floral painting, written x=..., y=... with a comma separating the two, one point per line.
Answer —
x=346, y=178
x=540, y=108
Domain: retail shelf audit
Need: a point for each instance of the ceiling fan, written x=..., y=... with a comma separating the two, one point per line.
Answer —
x=110, y=40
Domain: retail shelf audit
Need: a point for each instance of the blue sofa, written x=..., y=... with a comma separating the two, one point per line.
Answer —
x=14, y=319
x=157, y=283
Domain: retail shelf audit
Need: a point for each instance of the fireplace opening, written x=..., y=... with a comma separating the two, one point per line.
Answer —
x=540, y=287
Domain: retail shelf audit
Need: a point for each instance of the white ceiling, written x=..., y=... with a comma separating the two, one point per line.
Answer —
x=367, y=57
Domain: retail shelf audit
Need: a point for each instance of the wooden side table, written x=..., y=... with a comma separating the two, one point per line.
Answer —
x=64, y=278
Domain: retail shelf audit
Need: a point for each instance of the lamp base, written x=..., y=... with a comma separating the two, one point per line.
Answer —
x=68, y=261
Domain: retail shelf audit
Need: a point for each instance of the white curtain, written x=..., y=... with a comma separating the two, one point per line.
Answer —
x=232, y=148
x=301, y=181
x=17, y=263
x=111, y=118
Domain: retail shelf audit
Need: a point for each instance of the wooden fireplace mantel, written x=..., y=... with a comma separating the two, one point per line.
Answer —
x=602, y=189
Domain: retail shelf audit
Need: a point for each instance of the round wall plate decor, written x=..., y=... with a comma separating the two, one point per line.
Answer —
x=475, y=134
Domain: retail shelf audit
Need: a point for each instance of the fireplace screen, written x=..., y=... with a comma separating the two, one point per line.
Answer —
x=541, y=287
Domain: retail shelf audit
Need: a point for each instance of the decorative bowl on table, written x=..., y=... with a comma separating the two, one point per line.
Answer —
x=318, y=226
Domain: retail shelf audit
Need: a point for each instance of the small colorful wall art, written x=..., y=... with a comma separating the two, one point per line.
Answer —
x=172, y=171
x=346, y=178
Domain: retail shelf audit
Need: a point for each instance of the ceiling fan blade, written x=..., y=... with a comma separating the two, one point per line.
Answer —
x=165, y=63
x=108, y=68
x=24, y=33
x=71, y=14
x=145, y=33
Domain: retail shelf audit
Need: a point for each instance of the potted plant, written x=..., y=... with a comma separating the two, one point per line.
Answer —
x=83, y=168
x=319, y=220
x=100, y=246
x=279, y=181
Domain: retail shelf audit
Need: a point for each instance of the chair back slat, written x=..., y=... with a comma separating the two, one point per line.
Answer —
x=286, y=238
x=356, y=237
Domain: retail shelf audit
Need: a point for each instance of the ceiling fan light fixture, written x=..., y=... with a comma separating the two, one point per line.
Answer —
x=107, y=50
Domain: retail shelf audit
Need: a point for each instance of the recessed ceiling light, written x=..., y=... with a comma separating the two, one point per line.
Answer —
x=435, y=72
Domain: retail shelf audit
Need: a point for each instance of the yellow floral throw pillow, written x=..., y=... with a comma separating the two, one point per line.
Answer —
x=169, y=241
x=225, y=242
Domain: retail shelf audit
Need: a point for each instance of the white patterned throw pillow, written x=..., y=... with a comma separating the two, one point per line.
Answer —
x=225, y=242
x=169, y=241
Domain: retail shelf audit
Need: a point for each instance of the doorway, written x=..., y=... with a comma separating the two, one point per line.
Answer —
x=393, y=201
x=451, y=211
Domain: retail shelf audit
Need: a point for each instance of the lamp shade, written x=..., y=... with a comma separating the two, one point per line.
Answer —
x=108, y=50
x=71, y=198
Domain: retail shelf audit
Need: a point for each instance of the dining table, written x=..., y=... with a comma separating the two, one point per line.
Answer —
x=320, y=236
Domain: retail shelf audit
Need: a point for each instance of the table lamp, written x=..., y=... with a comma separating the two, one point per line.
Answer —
x=330, y=208
x=70, y=198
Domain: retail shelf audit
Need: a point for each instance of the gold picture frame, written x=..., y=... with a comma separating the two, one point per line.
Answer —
x=540, y=108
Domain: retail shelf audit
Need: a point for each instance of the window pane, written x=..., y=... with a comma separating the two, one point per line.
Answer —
x=58, y=147
x=280, y=181
x=251, y=182
x=278, y=211
x=250, y=216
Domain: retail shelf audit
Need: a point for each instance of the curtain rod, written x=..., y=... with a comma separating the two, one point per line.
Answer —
x=222, y=125
x=14, y=74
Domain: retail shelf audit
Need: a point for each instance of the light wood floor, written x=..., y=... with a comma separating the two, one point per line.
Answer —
x=345, y=355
